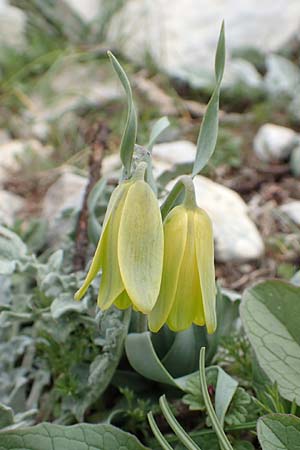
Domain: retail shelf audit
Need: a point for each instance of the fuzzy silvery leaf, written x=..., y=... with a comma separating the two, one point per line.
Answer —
x=279, y=431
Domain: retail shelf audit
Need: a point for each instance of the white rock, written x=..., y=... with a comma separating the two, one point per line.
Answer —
x=283, y=77
x=86, y=9
x=4, y=136
x=178, y=152
x=12, y=26
x=181, y=36
x=12, y=151
x=292, y=210
x=111, y=164
x=67, y=192
x=75, y=86
x=10, y=205
x=273, y=142
x=236, y=236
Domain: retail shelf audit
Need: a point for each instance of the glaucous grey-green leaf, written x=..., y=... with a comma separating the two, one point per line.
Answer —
x=12, y=249
x=158, y=128
x=80, y=437
x=113, y=328
x=129, y=135
x=208, y=134
x=143, y=358
x=279, y=432
x=270, y=313
x=64, y=304
x=6, y=416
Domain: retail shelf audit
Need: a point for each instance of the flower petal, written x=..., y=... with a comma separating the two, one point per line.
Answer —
x=95, y=266
x=140, y=247
x=123, y=301
x=111, y=285
x=206, y=268
x=188, y=292
x=175, y=233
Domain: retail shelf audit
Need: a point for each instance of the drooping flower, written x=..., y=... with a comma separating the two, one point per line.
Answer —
x=187, y=293
x=130, y=249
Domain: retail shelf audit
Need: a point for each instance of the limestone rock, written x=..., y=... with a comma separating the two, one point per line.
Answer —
x=181, y=36
x=67, y=192
x=236, y=236
x=10, y=205
x=292, y=210
x=274, y=143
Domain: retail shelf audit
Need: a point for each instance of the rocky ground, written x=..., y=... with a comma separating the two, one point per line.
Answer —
x=61, y=104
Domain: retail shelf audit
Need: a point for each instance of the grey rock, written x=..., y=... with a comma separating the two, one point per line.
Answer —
x=87, y=10
x=292, y=210
x=274, y=143
x=10, y=206
x=4, y=136
x=77, y=86
x=12, y=26
x=13, y=151
x=283, y=77
x=173, y=153
x=236, y=236
x=67, y=192
x=181, y=37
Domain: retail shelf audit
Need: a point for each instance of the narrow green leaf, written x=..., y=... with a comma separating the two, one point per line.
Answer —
x=156, y=131
x=171, y=199
x=279, y=431
x=224, y=442
x=208, y=134
x=129, y=135
x=156, y=431
x=270, y=313
x=80, y=437
x=186, y=440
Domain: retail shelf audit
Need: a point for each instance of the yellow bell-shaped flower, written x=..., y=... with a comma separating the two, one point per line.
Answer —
x=130, y=249
x=187, y=293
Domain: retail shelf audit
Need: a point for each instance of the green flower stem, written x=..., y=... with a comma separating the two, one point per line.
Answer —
x=189, y=197
x=142, y=322
x=224, y=442
x=139, y=173
x=157, y=433
x=176, y=427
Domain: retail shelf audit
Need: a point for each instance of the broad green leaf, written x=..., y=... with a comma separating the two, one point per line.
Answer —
x=208, y=134
x=84, y=436
x=143, y=358
x=186, y=347
x=129, y=135
x=279, y=432
x=225, y=390
x=270, y=313
x=227, y=314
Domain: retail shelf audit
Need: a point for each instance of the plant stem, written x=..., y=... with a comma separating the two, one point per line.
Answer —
x=142, y=323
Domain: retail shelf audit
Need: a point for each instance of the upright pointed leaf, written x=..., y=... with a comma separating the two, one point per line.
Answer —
x=156, y=131
x=129, y=135
x=207, y=138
